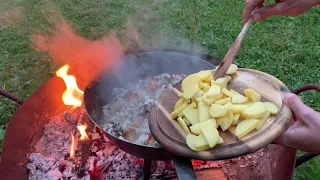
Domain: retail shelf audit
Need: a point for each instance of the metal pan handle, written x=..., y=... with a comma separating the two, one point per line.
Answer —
x=306, y=88
x=11, y=96
x=307, y=156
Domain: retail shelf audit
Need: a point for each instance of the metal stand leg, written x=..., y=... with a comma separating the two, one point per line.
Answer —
x=184, y=168
x=146, y=169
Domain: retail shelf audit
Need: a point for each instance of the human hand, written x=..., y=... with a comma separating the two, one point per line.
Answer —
x=304, y=132
x=281, y=7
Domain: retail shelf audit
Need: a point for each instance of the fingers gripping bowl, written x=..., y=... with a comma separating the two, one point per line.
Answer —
x=169, y=133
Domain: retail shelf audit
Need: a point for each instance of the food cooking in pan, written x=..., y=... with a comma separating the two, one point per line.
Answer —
x=126, y=117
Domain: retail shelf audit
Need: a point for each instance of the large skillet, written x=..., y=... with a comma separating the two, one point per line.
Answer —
x=133, y=68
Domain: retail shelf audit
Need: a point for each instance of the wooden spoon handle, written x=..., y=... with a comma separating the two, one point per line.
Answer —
x=230, y=56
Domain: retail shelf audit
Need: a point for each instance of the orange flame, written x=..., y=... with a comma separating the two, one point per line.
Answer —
x=73, y=95
x=82, y=130
x=72, y=150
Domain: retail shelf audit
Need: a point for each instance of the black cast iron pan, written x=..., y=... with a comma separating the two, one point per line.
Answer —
x=138, y=66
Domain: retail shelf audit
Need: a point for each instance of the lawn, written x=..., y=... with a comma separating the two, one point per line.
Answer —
x=285, y=47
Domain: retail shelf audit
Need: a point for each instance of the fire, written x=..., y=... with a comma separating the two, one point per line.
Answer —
x=73, y=95
x=72, y=147
x=82, y=130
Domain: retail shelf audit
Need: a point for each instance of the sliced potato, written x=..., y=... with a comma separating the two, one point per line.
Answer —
x=225, y=121
x=206, y=89
x=203, y=75
x=214, y=121
x=210, y=133
x=203, y=112
x=234, y=92
x=199, y=99
x=195, y=129
x=228, y=106
x=203, y=85
x=186, y=120
x=214, y=91
x=190, y=81
x=197, y=95
x=255, y=111
x=222, y=82
x=190, y=106
x=183, y=125
x=235, y=119
x=239, y=99
x=221, y=96
x=238, y=108
x=245, y=127
x=232, y=69
x=263, y=119
x=179, y=103
x=217, y=110
x=176, y=112
x=190, y=92
x=220, y=140
x=227, y=92
x=190, y=139
x=223, y=101
x=190, y=85
x=206, y=100
x=252, y=95
x=209, y=101
x=273, y=109
x=201, y=143
x=208, y=80
x=192, y=115
x=180, y=94
x=249, y=104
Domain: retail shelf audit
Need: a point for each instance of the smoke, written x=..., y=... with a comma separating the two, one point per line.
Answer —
x=87, y=58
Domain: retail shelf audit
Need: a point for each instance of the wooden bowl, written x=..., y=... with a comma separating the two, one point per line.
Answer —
x=171, y=136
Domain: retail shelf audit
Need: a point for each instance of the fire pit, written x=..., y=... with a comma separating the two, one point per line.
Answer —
x=38, y=144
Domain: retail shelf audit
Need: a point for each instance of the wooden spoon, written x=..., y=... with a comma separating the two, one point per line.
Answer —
x=231, y=54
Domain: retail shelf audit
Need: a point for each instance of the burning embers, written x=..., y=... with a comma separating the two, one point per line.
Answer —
x=72, y=96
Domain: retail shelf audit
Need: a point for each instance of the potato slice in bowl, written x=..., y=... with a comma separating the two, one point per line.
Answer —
x=232, y=114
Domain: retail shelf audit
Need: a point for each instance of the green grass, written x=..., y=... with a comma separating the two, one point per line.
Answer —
x=286, y=47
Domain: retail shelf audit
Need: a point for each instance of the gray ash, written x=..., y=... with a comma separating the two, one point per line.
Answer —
x=98, y=158
x=95, y=158
x=55, y=137
x=127, y=117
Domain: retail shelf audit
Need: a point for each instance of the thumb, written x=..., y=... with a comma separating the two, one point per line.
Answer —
x=300, y=110
x=295, y=136
x=267, y=11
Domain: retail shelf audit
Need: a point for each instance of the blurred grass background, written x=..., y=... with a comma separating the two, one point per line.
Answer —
x=285, y=47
